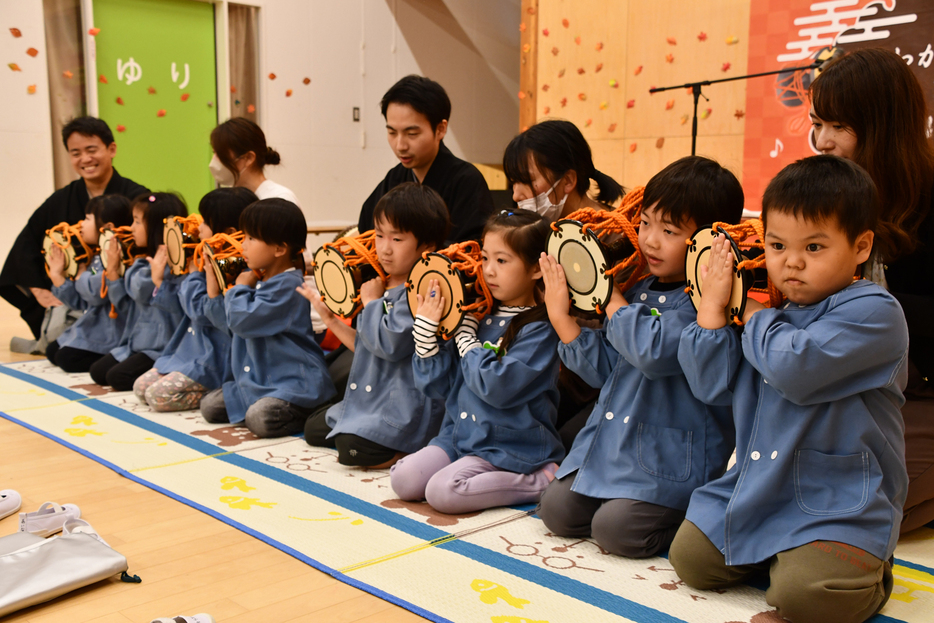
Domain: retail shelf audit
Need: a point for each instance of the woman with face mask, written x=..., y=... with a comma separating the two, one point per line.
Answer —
x=241, y=154
x=550, y=168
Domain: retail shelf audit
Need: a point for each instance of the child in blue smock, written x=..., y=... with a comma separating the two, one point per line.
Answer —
x=498, y=444
x=648, y=443
x=95, y=333
x=383, y=416
x=815, y=498
x=198, y=355
x=153, y=291
x=278, y=372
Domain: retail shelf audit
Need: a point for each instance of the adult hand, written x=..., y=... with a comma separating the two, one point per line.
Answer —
x=45, y=297
x=431, y=306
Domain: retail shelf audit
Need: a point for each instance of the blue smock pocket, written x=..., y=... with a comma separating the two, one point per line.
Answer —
x=831, y=484
x=665, y=452
x=526, y=445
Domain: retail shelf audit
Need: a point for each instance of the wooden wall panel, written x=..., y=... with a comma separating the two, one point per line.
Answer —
x=609, y=100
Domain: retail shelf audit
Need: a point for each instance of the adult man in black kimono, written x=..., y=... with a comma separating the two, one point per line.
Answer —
x=417, y=111
x=24, y=282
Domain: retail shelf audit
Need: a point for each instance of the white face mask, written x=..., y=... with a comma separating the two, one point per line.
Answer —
x=222, y=174
x=542, y=205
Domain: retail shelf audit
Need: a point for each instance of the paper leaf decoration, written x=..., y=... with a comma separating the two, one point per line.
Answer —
x=631, y=104
x=121, y=128
x=702, y=36
x=160, y=112
x=16, y=32
x=31, y=89
x=33, y=52
x=94, y=32
x=185, y=97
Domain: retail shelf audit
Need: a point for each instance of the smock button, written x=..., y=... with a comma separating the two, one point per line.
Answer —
x=246, y=368
x=502, y=323
x=368, y=388
x=662, y=298
x=643, y=296
x=464, y=415
x=488, y=321
x=473, y=417
x=801, y=306
x=353, y=386
x=609, y=415
x=774, y=454
x=190, y=330
x=755, y=455
x=765, y=381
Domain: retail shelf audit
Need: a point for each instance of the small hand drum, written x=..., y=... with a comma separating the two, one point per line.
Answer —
x=341, y=267
x=56, y=238
x=458, y=270
x=748, y=271
x=585, y=259
x=180, y=235
x=223, y=254
x=128, y=249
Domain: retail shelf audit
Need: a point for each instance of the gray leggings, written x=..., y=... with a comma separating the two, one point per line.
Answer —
x=623, y=527
x=267, y=417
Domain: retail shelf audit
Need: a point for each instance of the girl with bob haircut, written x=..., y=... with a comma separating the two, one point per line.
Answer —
x=868, y=107
x=498, y=444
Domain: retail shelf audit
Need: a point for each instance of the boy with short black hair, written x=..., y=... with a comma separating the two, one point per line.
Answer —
x=383, y=416
x=815, y=498
x=649, y=442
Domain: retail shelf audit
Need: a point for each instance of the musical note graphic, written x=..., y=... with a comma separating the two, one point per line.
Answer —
x=779, y=148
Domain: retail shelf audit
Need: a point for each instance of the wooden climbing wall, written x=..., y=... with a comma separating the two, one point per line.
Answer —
x=593, y=63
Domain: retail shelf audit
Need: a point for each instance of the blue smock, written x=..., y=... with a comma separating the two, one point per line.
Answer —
x=501, y=410
x=95, y=331
x=820, y=450
x=381, y=402
x=273, y=352
x=155, y=314
x=198, y=349
x=648, y=438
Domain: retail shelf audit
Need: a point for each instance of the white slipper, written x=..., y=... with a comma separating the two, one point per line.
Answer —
x=49, y=519
x=10, y=502
x=80, y=526
x=197, y=618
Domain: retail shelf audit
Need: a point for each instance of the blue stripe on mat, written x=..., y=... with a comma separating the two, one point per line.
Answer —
x=561, y=584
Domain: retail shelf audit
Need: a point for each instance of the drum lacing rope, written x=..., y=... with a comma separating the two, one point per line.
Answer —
x=234, y=243
x=122, y=234
x=622, y=220
x=190, y=227
x=467, y=257
x=751, y=233
x=70, y=233
x=364, y=245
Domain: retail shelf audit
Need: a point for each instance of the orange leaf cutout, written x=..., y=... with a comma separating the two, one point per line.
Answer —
x=160, y=112
x=288, y=93
x=185, y=97
x=94, y=31
x=638, y=70
x=103, y=79
x=565, y=23
x=121, y=128
x=67, y=74
x=671, y=41
x=33, y=52
x=120, y=101
x=31, y=89
x=630, y=104
x=306, y=81
x=633, y=147
x=16, y=32
x=272, y=76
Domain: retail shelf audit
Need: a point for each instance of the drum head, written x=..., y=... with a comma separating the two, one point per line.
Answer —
x=212, y=266
x=451, y=284
x=699, y=255
x=106, y=236
x=71, y=266
x=583, y=258
x=335, y=282
x=173, y=238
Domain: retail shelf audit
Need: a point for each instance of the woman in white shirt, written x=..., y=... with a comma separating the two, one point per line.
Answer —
x=241, y=154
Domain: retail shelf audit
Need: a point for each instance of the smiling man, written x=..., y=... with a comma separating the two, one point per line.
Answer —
x=24, y=282
x=417, y=110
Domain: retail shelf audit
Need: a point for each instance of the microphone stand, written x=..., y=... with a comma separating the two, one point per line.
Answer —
x=696, y=91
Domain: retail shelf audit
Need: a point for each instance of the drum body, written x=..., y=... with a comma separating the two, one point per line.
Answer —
x=457, y=287
x=585, y=258
x=338, y=282
x=56, y=238
x=128, y=249
x=180, y=242
x=226, y=270
x=699, y=255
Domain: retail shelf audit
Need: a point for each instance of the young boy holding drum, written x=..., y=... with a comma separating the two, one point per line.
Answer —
x=815, y=498
x=649, y=442
x=383, y=416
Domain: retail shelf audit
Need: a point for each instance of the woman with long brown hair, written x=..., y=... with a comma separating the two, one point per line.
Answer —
x=868, y=107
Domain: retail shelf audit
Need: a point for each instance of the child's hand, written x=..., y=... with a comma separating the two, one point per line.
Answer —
x=157, y=264
x=113, y=259
x=432, y=306
x=247, y=278
x=371, y=291
x=717, y=286
x=617, y=300
x=558, y=299
x=210, y=280
x=56, y=258
x=314, y=297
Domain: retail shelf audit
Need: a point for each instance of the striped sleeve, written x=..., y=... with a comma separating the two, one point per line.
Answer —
x=425, y=332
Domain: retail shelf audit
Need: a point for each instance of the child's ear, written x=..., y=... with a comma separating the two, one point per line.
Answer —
x=281, y=250
x=864, y=246
x=230, y=230
x=109, y=226
x=535, y=272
